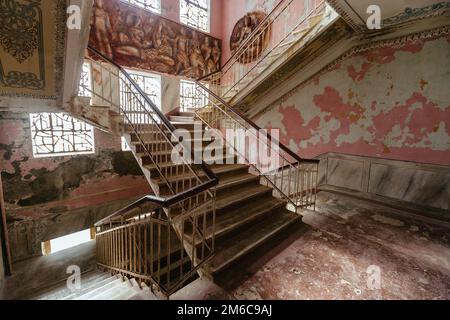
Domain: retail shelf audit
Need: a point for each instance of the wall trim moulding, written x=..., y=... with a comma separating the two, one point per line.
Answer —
x=353, y=18
x=423, y=189
x=349, y=18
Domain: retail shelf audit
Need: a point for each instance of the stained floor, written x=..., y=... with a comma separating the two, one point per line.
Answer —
x=345, y=250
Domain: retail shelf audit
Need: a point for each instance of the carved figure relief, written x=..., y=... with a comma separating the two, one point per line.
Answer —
x=140, y=39
x=243, y=29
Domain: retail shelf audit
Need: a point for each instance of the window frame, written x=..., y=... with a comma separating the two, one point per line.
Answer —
x=196, y=27
x=89, y=129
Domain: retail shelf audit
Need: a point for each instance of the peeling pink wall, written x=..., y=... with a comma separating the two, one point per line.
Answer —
x=17, y=162
x=391, y=102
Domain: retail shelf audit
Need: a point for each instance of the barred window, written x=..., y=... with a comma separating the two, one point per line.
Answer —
x=195, y=13
x=85, y=89
x=192, y=96
x=151, y=85
x=59, y=134
x=152, y=5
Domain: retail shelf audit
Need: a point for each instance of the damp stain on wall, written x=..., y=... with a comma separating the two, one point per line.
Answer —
x=389, y=102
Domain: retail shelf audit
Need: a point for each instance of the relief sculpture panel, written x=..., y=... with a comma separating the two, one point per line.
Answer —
x=137, y=38
x=243, y=29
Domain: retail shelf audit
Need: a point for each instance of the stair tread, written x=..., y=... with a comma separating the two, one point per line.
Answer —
x=218, y=170
x=237, y=195
x=91, y=286
x=171, y=164
x=168, y=152
x=236, y=218
x=60, y=291
x=230, y=249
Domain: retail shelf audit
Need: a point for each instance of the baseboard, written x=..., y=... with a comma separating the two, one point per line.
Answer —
x=426, y=214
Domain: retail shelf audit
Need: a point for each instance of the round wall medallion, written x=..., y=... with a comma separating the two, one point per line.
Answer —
x=243, y=29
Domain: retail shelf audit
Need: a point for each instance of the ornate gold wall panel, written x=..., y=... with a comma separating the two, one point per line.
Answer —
x=32, y=37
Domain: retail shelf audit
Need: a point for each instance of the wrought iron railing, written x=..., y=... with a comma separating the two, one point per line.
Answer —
x=256, y=53
x=159, y=241
x=292, y=177
x=183, y=203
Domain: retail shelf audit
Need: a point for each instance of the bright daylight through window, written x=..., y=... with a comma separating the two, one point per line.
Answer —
x=195, y=13
x=66, y=242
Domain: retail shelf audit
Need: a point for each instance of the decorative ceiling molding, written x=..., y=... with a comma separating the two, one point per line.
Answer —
x=338, y=31
x=396, y=42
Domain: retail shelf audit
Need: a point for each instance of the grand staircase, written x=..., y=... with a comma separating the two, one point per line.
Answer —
x=205, y=215
x=247, y=214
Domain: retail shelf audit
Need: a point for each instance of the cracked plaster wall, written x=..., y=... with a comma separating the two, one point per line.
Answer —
x=46, y=198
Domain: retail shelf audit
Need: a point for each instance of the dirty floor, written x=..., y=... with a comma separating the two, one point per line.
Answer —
x=346, y=250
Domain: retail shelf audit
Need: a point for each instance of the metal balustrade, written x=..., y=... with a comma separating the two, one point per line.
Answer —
x=183, y=207
x=292, y=177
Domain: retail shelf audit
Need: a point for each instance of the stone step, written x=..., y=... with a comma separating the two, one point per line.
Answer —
x=91, y=286
x=166, y=154
x=170, y=168
x=232, y=221
x=224, y=183
x=120, y=291
x=60, y=291
x=181, y=119
x=230, y=249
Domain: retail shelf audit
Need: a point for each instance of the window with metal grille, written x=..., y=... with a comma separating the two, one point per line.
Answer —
x=59, y=134
x=192, y=96
x=152, y=5
x=195, y=13
x=151, y=85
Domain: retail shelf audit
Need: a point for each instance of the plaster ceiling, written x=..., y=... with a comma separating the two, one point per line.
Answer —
x=393, y=12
